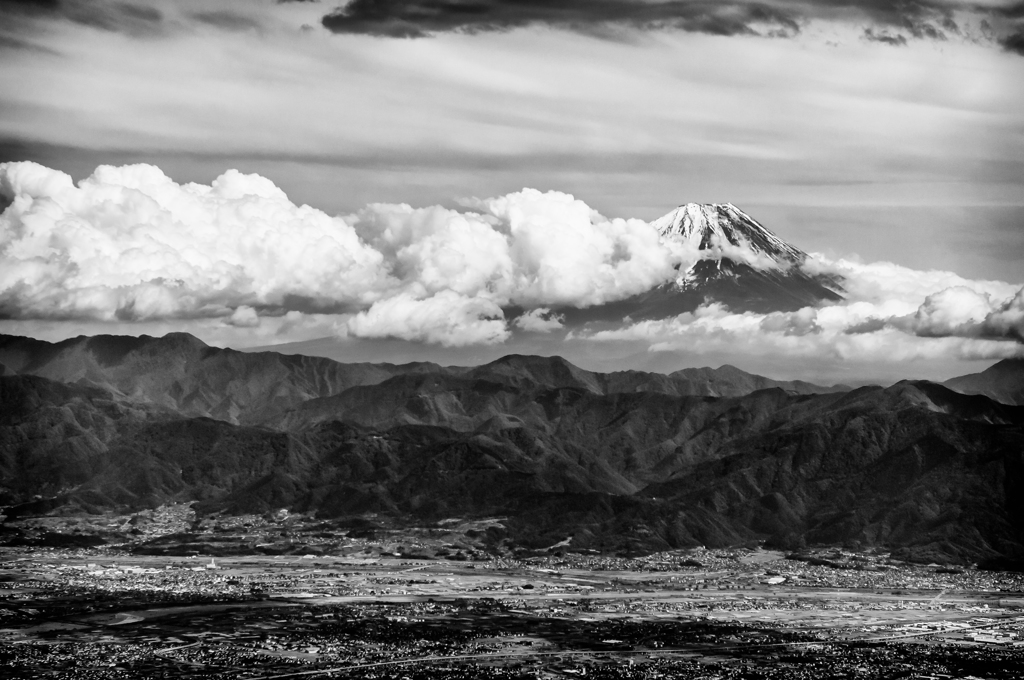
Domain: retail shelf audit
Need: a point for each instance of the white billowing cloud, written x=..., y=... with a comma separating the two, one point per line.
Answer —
x=953, y=311
x=806, y=333
x=885, y=281
x=1008, y=319
x=891, y=314
x=434, y=249
x=923, y=303
x=129, y=243
x=447, y=318
x=568, y=254
x=539, y=320
x=244, y=317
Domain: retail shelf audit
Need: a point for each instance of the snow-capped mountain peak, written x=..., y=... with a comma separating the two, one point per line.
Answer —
x=718, y=226
x=741, y=261
x=726, y=258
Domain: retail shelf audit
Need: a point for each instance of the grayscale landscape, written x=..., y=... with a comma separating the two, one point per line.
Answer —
x=436, y=339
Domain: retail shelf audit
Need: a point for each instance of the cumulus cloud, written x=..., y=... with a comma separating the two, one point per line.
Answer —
x=244, y=317
x=1007, y=320
x=540, y=320
x=953, y=311
x=891, y=314
x=130, y=244
x=447, y=318
x=568, y=254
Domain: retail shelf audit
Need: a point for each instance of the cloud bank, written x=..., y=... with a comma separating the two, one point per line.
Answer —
x=129, y=245
x=891, y=314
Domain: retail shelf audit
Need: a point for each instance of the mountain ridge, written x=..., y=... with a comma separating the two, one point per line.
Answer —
x=1003, y=382
x=619, y=462
x=180, y=372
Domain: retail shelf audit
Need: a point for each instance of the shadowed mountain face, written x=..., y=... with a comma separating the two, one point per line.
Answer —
x=1003, y=382
x=181, y=373
x=622, y=461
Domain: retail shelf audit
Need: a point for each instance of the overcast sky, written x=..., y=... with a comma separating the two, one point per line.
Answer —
x=862, y=130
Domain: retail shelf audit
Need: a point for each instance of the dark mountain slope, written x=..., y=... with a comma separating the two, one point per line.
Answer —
x=180, y=372
x=1003, y=382
x=914, y=466
x=510, y=390
x=54, y=437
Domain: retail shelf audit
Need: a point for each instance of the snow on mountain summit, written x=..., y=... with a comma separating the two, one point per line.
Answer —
x=736, y=252
x=724, y=227
x=732, y=260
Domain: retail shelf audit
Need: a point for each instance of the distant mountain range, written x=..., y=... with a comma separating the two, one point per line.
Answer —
x=1003, y=382
x=625, y=461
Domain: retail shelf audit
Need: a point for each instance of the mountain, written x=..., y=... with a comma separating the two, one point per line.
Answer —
x=618, y=462
x=747, y=267
x=504, y=392
x=743, y=265
x=180, y=373
x=1003, y=382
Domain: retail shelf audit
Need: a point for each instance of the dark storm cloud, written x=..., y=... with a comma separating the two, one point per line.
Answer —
x=1014, y=42
x=885, y=36
x=418, y=18
x=30, y=5
x=891, y=21
x=1014, y=11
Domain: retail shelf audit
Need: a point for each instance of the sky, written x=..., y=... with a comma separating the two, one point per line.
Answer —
x=383, y=179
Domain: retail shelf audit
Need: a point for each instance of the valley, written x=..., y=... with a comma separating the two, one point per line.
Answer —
x=744, y=613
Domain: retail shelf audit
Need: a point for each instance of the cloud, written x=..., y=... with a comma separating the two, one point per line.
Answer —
x=539, y=320
x=953, y=311
x=244, y=317
x=447, y=318
x=227, y=20
x=881, y=20
x=1014, y=42
x=130, y=244
x=891, y=314
x=1007, y=320
x=568, y=254
x=134, y=19
x=885, y=36
x=418, y=18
